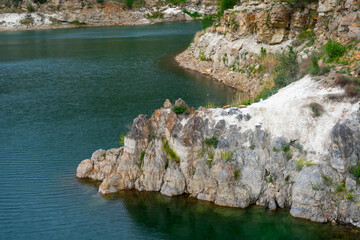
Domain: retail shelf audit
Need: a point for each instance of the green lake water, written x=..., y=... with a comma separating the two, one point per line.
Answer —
x=66, y=93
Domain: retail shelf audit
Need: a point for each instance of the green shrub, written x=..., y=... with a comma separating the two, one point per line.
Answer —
x=341, y=80
x=275, y=149
x=270, y=179
x=300, y=3
x=30, y=8
x=211, y=154
x=236, y=174
x=40, y=1
x=287, y=152
x=155, y=14
x=10, y=10
x=76, y=22
x=179, y=109
x=141, y=159
x=210, y=105
x=262, y=53
x=193, y=15
x=316, y=108
x=327, y=180
x=301, y=162
x=334, y=50
x=27, y=21
x=285, y=147
x=54, y=21
x=208, y=20
x=307, y=35
x=252, y=144
x=122, y=140
x=99, y=1
x=340, y=187
x=129, y=3
x=227, y=4
x=315, y=187
x=170, y=152
x=213, y=141
x=355, y=170
x=286, y=68
x=176, y=2
x=350, y=197
x=142, y=156
x=227, y=156
x=314, y=68
x=352, y=88
x=209, y=162
x=311, y=66
x=151, y=137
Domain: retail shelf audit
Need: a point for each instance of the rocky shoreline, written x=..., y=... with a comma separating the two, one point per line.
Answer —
x=297, y=149
x=87, y=13
x=266, y=154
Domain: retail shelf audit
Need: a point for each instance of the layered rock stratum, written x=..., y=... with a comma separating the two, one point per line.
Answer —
x=275, y=153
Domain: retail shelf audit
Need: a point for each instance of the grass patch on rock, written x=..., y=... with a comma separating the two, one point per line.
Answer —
x=355, y=170
x=173, y=156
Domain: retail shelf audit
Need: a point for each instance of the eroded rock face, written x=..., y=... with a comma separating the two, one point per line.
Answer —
x=237, y=157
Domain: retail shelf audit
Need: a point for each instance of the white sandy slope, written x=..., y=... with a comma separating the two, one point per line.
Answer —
x=288, y=114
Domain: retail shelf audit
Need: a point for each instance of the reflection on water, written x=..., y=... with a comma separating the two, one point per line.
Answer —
x=183, y=217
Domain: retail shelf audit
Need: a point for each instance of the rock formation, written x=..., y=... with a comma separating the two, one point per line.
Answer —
x=64, y=13
x=275, y=153
x=229, y=50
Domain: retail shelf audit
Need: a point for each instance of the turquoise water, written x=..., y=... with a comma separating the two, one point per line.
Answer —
x=64, y=94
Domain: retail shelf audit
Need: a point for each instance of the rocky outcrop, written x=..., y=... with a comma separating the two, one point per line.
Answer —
x=65, y=13
x=230, y=50
x=274, y=153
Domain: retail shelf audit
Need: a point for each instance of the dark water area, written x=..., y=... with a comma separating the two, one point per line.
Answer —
x=66, y=93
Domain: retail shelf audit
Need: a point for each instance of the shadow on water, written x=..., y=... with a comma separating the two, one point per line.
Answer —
x=183, y=217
